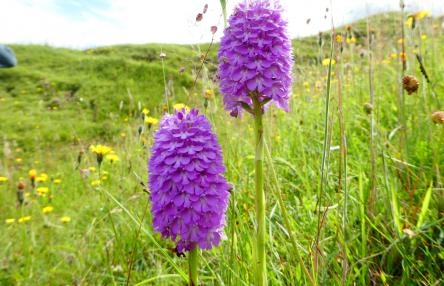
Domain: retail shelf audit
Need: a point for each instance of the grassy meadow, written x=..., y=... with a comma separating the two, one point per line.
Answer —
x=353, y=174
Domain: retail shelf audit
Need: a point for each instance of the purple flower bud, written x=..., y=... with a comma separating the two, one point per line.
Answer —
x=189, y=195
x=255, y=55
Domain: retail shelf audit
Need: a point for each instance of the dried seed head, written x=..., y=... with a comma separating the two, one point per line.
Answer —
x=410, y=84
x=438, y=117
x=21, y=185
x=368, y=108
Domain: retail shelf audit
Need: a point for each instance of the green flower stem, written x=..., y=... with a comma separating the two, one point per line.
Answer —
x=260, y=265
x=193, y=264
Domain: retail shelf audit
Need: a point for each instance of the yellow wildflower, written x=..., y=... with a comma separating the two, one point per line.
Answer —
x=351, y=40
x=423, y=37
x=326, y=62
x=65, y=219
x=145, y=111
x=32, y=174
x=19, y=160
x=24, y=219
x=401, y=41
x=339, y=39
x=95, y=183
x=100, y=151
x=209, y=93
x=180, y=106
x=92, y=169
x=151, y=120
x=42, y=191
x=412, y=18
x=57, y=181
x=43, y=177
x=421, y=14
x=3, y=179
x=47, y=210
x=112, y=158
x=9, y=220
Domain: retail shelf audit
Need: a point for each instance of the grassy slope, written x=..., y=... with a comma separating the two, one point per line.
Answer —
x=58, y=101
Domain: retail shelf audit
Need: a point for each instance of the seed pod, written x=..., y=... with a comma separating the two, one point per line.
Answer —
x=438, y=117
x=410, y=84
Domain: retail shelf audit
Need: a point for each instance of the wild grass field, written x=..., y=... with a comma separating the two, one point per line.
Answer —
x=353, y=173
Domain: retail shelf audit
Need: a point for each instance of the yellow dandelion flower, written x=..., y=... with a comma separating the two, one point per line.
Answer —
x=32, y=174
x=400, y=41
x=10, y=220
x=409, y=21
x=180, y=106
x=42, y=191
x=423, y=37
x=112, y=158
x=209, y=93
x=3, y=179
x=151, y=120
x=100, y=149
x=57, y=181
x=326, y=62
x=65, y=219
x=421, y=14
x=393, y=56
x=339, y=39
x=104, y=177
x=123, y=135
x=145, y=111
x=351, y=40
x=92, y=169
x=43, y=177
x=47, y=210
x=95, y=183
x=306, y=84
x=24, y=219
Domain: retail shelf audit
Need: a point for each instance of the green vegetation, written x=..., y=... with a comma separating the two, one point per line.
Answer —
x=373, y=216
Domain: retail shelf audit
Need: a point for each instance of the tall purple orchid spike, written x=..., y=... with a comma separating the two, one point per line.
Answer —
x=189, y=195
x=255, y=56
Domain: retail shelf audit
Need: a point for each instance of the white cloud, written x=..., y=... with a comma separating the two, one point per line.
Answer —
x=166, y=21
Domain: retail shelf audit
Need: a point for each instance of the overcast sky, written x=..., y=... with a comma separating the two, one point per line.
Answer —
x=90, y=23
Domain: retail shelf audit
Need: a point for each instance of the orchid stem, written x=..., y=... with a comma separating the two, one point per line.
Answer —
x=261, y=269
x=193, y=263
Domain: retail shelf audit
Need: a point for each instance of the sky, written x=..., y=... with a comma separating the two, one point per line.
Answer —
x=91, y=23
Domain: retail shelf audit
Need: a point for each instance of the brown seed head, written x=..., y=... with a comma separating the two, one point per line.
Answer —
x=21, y=185
x=438, y=117
x=410, y=84
x=368, y=108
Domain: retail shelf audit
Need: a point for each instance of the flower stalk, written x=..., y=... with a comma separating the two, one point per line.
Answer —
x=261, y=269
x=193, y=264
